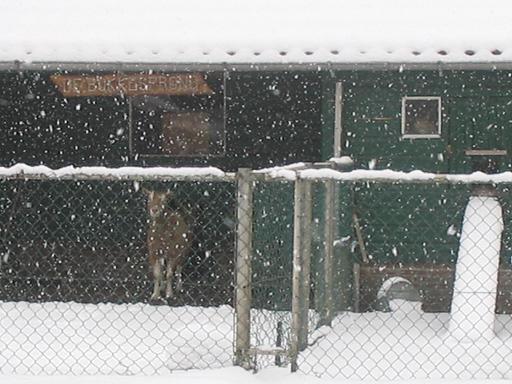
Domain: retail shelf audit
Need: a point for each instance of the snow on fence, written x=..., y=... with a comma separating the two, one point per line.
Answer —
x=334, y=273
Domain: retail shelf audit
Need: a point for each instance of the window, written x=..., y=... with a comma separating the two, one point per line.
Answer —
x=186, y=121
x=421, y=117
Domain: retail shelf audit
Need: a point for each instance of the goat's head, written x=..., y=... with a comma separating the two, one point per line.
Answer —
x=157, y=201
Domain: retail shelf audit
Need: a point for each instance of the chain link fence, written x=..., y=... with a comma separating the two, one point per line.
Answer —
x=337, y=274
x=390, y=276
x=78, y=257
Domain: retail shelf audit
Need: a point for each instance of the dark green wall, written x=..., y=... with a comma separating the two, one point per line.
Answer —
x=271, y=119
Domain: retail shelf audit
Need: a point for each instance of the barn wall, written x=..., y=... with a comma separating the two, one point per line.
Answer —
x=413, y=226
x=372, y=116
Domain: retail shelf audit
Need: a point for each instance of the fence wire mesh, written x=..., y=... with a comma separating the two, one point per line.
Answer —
x=271, y=271
x=77, y=276
x=420, y=283
x=403, y=280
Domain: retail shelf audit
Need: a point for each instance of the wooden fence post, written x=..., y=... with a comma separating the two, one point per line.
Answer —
x=243, y=249
x=301, y=268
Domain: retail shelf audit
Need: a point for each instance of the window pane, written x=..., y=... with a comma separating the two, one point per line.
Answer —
x=421, y=117
x=185, y=124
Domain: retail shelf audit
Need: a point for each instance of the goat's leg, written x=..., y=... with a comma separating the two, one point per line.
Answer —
x=179, y=282
x=169, y=276
x=157, y=277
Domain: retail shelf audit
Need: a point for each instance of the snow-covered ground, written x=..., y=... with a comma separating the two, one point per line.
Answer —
x=108, y=339
x=129, y=339
x=404, y=344
x=231, y=375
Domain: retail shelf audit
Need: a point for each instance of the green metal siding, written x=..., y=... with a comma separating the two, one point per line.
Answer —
x=471, y=102
x=420, y=224
x=272, y=245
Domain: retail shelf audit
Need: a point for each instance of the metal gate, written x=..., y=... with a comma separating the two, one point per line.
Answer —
x=392, y=275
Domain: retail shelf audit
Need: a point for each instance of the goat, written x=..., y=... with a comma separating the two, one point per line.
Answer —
x=169, y=241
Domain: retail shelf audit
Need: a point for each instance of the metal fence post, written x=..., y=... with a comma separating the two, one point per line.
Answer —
x=243, y=269
x=327, y=311
x=306, y=263
x=301, y=268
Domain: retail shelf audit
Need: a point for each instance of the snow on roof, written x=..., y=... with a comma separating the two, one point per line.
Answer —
x=256, y=31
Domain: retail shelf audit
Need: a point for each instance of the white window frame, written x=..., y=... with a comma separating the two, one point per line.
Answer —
x=338, y=124
x=422, y=136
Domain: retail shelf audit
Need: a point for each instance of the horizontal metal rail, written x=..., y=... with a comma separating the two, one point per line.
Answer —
x=26, y=172
x=327, y=171
x=268, y=351
x=310, y=171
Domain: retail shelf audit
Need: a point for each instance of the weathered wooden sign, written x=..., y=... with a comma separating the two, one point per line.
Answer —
x=131, y=84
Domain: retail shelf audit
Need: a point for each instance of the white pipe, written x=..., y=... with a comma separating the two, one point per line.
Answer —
x=476, y=271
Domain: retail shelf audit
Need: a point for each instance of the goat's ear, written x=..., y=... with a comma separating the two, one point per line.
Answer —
x=149, y=193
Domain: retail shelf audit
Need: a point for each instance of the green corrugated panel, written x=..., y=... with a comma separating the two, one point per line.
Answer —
x=410, y=223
